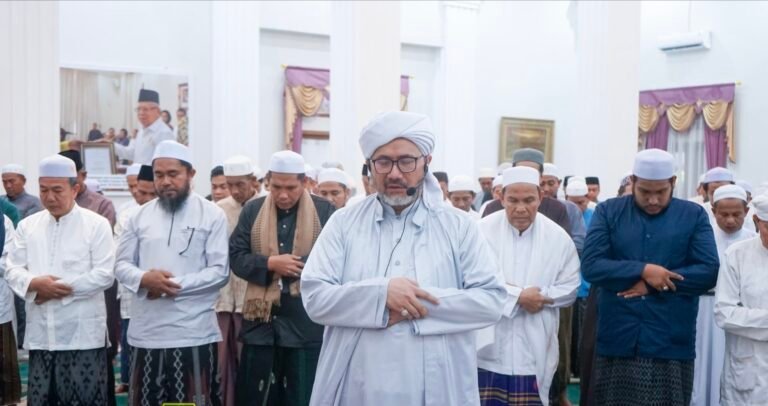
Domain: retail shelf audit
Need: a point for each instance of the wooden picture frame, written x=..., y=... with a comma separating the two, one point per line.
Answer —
x=184, y=96
x=516, y=133
x=98, y=158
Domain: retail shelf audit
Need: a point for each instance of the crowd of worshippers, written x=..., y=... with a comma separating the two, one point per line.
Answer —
x=280, y=289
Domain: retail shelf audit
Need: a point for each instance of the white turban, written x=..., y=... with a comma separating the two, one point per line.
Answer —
x=387, y=127
x=729, y=192
x=413, y=127
x=760, y=204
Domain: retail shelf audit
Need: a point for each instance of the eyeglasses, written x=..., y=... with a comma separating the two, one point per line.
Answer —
x=406, y=164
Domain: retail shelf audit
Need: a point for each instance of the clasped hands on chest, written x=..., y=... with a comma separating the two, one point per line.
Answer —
x=405, y=300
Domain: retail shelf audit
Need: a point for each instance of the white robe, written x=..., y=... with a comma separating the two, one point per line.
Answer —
x=543, y=256
x=741, y=309
x=192, y=244
x=142, y=148
x=430, y=361
x=78, y=248
x=710, y=339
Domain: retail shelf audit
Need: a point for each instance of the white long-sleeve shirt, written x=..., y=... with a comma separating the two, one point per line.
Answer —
x=430, y=361
x=142, y=148
x=543, y=256
x=192, y=244
x=741, y=309
x=78, y=248
x=6, y=294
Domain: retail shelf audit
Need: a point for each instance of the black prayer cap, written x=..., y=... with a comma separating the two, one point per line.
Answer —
x=441, y=176
x=592, y=180
x=146, y=173
x=74, y=156
x=528, y=154
x=146, y=95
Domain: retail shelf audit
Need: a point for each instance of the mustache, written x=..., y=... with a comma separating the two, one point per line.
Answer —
x=395, y=182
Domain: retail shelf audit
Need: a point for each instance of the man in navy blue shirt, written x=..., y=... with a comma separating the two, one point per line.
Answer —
x=651, y=256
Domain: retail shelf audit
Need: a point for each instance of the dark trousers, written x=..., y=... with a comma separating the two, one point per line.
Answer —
x=21, y=320
x=275, y=376
x=125, y=353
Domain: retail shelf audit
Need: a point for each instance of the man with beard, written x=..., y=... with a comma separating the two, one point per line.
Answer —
x=268, y=249
x=173, y=255
x=650, y=256
x=401, y=281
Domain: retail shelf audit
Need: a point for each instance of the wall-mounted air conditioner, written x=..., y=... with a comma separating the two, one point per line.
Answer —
x=687, y=41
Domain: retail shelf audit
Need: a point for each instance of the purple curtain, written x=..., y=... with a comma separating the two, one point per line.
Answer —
x=319, y=79
x=715, y=140
x=659, y=137
x=716, y=147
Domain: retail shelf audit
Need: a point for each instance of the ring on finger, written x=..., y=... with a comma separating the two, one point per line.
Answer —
x=665, y=287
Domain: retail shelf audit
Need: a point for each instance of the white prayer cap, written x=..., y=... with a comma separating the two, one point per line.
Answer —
x=286, y=162
x=654, y=164
x=521, y=174
x=576, y=188
x=238, y=165
x=310, y=171
x=487, y=173
x=745, y=185
x=93, y=185
x=577, y=179
x=133, y=170
x=173, y=150
x=504, y=165
x=13, y=168
x=462, y=183
x=760, y=204
x=332, y=164
x=550, y=170
x=389, y=126
x=57, y=166
x=718, y=174
x=332, y=175
x=701, y=178
x=729, y=192
x=257, y=172
x=498, y=181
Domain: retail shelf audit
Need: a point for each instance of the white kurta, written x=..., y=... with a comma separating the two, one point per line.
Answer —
x=710, y=339
x=6, y=294
x=192, y=244
x=344, y=286
x=544, y=256
x=741, y=309
x=123, y=293
x=142, y=148
x=78, y=248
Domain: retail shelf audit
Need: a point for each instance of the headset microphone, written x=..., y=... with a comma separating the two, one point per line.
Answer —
x=412, y=190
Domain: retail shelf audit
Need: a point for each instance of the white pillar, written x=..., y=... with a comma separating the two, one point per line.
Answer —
x=29, y=84
x=235, y=80
x=608, y=55
x=456, y=147
x=365, y=72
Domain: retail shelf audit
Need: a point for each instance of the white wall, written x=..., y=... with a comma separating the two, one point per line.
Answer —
x=295, y=49
x=526, y=68
x=739, y=38
x=165, y=37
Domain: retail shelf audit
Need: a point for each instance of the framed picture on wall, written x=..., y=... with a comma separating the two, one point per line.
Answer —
x=98, y=158
x=516, y=133
x=184, y=95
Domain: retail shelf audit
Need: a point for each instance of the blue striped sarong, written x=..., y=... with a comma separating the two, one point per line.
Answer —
x=502, y=390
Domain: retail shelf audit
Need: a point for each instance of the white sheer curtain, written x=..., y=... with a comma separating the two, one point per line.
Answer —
x=79, y=101
x=689, y=151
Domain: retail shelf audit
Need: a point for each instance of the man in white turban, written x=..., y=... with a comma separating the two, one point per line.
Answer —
x=400, y=281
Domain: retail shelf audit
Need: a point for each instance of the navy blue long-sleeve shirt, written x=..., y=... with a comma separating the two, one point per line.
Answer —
x=621, y=240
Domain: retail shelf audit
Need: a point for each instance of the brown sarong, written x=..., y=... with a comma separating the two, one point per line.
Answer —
x=10, y=381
